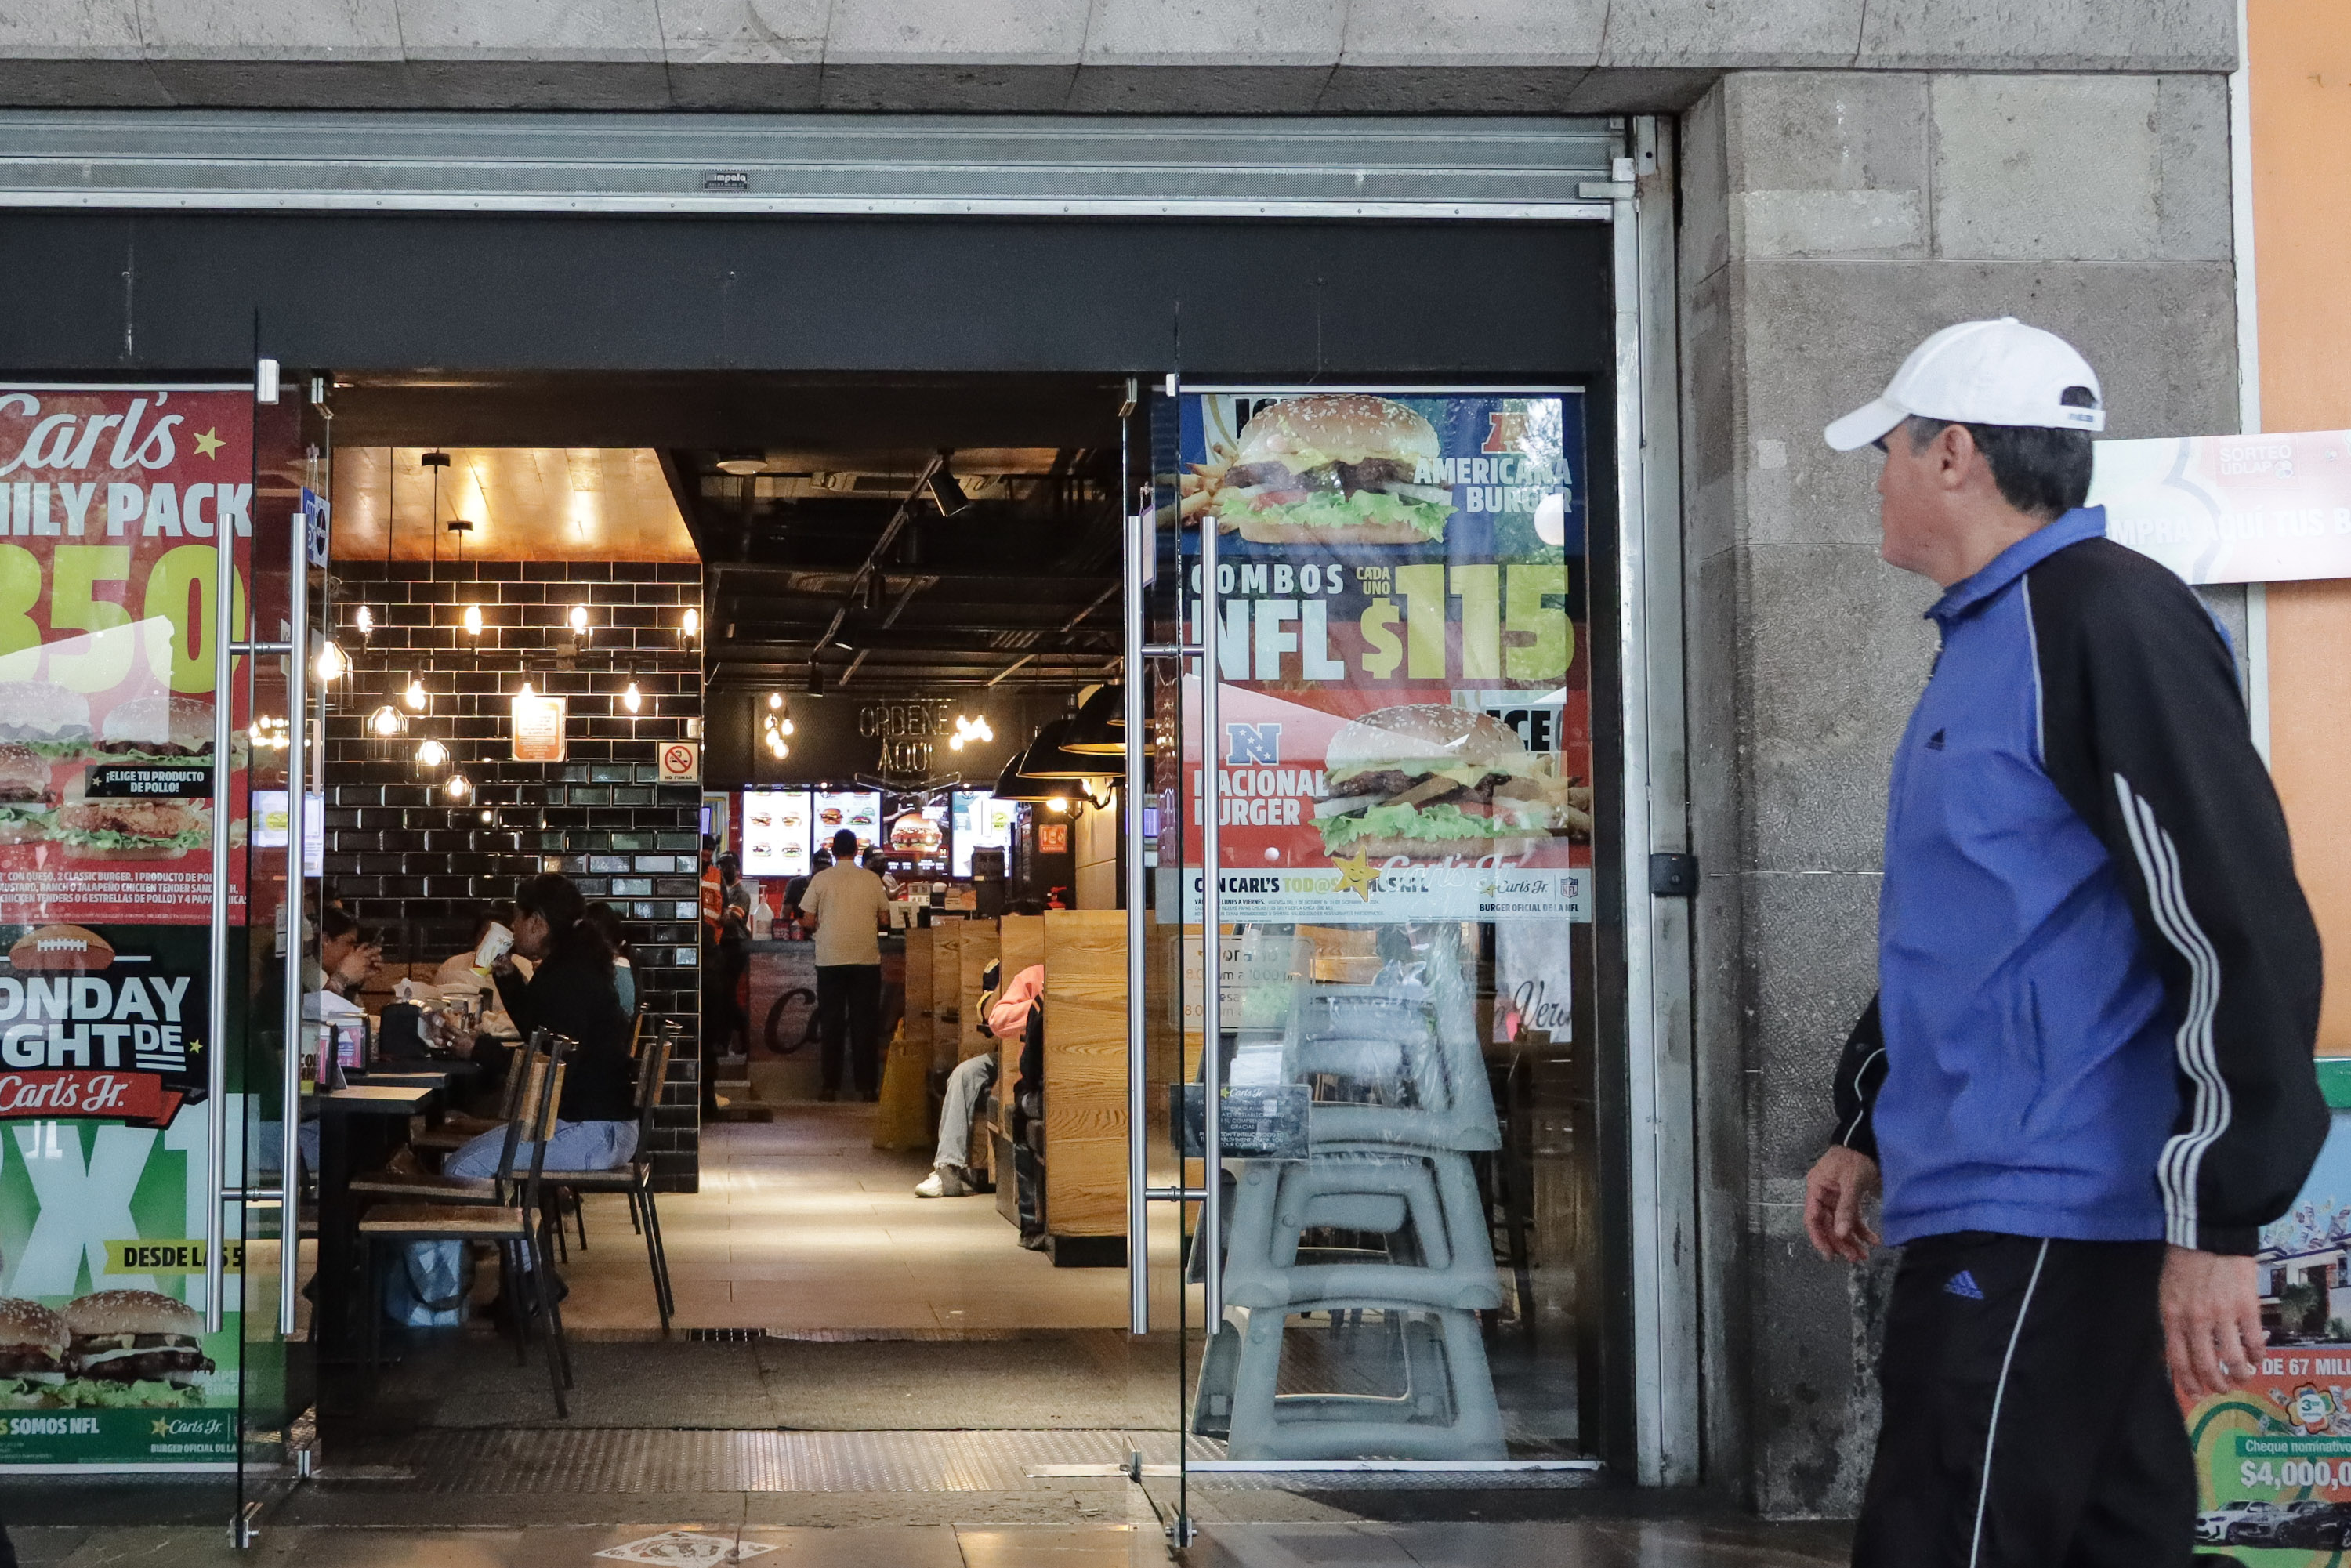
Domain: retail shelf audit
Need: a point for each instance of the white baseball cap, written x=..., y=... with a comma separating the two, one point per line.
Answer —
x=1980, y=373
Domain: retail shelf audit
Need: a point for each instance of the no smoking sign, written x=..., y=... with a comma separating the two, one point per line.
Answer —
x=681, y=762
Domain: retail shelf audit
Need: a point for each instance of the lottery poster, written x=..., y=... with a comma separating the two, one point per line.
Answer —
x=2273, y=1460
x=1404, y=729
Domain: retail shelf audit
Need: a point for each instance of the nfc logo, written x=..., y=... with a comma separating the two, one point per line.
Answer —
x=1252, y=744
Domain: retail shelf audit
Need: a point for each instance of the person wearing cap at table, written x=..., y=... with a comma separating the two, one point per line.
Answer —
x=2087, y=1077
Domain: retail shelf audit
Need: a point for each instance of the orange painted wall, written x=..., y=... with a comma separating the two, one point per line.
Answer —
x=2299, y=60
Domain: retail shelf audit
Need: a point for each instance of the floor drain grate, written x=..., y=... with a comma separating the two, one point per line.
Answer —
x=724, y=1336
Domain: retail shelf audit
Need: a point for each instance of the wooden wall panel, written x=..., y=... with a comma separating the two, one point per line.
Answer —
x=946, y=975
x=1085, y=1072
x=977, y=952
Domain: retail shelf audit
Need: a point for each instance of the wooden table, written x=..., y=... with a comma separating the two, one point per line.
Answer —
x=359, y=1129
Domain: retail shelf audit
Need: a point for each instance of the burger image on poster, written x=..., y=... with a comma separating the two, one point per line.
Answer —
x=35, y=1352
x=119, y=1349
x=1329, y=468
x=133, y=830
x=27, y=800
x=46, y=716
x=1426, y=780
x=161, y=729
x=128, y=1337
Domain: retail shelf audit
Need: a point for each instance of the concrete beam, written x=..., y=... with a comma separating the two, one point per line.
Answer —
x=1259, y=56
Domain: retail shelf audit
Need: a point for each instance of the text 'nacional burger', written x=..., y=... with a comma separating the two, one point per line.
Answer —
x=1334, y=468
x=1427, y=781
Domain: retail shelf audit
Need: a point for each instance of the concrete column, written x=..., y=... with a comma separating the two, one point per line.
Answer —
x=1832, y=220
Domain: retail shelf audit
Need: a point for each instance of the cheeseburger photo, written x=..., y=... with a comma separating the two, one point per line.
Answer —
x=34, y=1345
x=157, y=729
x=43, y=717
x=1335, y=469
x=1426, y=780
x=137, y=1336
x=25, y=799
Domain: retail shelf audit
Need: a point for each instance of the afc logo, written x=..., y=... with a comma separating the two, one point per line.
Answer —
x=1504, y=431
x=1252, y=746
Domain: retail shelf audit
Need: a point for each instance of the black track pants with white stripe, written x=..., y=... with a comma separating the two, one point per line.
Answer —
x=2028, y=1420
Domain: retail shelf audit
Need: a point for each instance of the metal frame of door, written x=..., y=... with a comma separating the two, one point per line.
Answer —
x=1662, y=1185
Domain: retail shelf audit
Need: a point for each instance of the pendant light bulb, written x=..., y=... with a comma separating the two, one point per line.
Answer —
x=458, y=786
x=692, y=624
x=473, y=621
x=526, y=694
x=415, y=696
x=432, y=754
x=786, y=726
x=364, y=619
x=331, y=663
x=632, y=699
x=386, y=721
x=580, y=619
x=775, y=700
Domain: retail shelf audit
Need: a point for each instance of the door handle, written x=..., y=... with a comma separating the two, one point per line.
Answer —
x=289, y=1087
x=1138, y=1164
x=216, y=1001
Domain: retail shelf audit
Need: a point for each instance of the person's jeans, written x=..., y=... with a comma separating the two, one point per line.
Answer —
x=966, y=1085
x=851, y=995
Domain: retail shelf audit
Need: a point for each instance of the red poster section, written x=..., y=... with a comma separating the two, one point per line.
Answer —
x=113, y=501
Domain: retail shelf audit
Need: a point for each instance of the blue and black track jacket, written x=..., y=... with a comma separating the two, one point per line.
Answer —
x=2098, y=980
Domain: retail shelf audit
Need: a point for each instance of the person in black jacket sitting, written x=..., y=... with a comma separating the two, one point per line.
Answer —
x=570, y=992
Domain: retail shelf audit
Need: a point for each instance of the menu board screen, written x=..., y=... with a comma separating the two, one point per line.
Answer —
x=860, y=812
x=775, y=833
x=918, y=838
x=981, y=822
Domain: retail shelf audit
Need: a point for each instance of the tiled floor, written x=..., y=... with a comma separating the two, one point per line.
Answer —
x=802, y=1225
x=1575, y=1544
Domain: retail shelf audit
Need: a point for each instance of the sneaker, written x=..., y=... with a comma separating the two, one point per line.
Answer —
x=945, y=1181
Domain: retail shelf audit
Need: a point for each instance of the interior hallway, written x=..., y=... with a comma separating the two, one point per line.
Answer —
x=803, y=1228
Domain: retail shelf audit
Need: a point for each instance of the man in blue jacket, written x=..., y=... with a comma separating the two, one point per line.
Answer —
x=2087, y=1076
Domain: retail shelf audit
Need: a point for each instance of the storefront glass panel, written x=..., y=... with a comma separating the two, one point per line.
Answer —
x=1404, y=998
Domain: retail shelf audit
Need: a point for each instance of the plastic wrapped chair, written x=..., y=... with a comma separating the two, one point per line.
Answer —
x=1427, y=1200
x=1444, y=1408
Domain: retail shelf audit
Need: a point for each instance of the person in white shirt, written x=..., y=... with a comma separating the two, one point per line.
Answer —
x=846, y=909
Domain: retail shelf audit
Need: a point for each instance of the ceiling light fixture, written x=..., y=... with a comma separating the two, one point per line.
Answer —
x=742, y=465
x=331, y=665
x=579, y=620
x=1100, y=727
x=415, y=696
x=632, y=699
x=432, y=754
x=473, y=621
x=691, y=623
x=387, y=721
x=458, y=786
x=364, y=619
x=944, y=492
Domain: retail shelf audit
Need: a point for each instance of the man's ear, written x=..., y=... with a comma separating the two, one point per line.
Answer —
x=1955, y=456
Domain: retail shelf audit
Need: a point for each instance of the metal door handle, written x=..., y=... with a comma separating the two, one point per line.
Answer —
x=216, y=1002
x=289, y=1089
x=1138, y=1164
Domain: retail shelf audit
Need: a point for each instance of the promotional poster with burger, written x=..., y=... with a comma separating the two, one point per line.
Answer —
x=1404, y=724
x=116, y=499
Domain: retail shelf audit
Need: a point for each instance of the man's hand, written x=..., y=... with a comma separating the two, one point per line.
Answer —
x=2213, y=1334
x=1840, y=1182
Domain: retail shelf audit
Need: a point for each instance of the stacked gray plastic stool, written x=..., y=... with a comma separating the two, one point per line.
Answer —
x=1398, y=1170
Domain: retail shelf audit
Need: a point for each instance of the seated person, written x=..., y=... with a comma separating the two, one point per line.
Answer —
x=570, y=993
x=1007, y=1017
x=459, y=968
x=607, y=921
x=346, y=957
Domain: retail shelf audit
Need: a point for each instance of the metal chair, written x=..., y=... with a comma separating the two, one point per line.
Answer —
x=457, y=1129
x=635, y=1179
x=518, y=1226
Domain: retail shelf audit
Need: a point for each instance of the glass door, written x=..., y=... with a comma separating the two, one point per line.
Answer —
x=1374, y=1028
x=265, y=1167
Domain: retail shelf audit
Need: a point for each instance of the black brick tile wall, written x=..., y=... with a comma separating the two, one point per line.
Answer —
x=413, y=865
